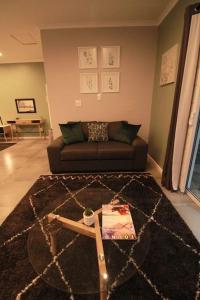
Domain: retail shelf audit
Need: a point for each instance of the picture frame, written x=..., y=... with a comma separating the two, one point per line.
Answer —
x=110, y=82
x=88, y=83
x=87, y=57
x=25, y=105
x=110, y=56
x=169, y=66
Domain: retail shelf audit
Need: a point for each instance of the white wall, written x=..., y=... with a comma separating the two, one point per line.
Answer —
x=133, y=103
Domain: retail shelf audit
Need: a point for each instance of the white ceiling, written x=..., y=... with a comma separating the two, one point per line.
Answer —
x=21, y=20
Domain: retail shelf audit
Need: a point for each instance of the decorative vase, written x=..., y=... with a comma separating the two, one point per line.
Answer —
x=88, y=220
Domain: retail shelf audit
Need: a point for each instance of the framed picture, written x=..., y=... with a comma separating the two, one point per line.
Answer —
x=26, y=105
x=110, y=56
x=169, y=66
x=87, y=57
x=110, y=82
x=88, y=83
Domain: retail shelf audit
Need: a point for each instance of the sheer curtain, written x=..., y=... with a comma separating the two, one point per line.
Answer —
x=192, y=123
x=183, y=99
x=186, y=97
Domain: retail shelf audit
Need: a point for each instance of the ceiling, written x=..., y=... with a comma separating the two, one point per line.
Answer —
x=21, y=20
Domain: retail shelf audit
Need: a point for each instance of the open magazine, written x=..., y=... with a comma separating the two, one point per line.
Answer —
x=117, y=223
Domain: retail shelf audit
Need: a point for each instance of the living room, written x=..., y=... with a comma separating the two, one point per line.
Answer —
x=44, y=71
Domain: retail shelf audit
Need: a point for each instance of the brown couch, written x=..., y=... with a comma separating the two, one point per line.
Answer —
x=97, y=156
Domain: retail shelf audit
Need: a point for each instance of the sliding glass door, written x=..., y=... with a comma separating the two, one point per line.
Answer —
x=193, y=184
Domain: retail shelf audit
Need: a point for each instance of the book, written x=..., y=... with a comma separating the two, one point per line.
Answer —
x=117, y=223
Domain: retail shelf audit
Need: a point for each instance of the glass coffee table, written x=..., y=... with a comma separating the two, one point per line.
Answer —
x=72, y=260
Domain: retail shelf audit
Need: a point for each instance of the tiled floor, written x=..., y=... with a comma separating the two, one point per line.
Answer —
x=20, y=166
x=23, y=163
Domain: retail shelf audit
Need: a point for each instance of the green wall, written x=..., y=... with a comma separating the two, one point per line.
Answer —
x=169, y=34
x=25, y=80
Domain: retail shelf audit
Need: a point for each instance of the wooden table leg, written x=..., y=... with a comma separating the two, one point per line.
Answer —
x=11, y=132
x=53, y=243
x=4, y=134
x=103, y=275
x=92, y=233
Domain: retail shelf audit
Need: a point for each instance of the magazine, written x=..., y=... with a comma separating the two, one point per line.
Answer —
x=117, y=223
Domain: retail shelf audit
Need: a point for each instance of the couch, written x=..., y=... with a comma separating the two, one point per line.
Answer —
x=87, y=156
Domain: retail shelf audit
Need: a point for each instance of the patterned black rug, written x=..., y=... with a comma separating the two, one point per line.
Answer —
x=163, y=263
x=5, y=145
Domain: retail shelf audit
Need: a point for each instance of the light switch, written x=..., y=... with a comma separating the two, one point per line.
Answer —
x=98, y=96
x=78, y=102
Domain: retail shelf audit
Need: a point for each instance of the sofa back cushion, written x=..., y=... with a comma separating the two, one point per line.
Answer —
x=119, y=131
x=114, y=128
x=72, y=133
x=84, y=126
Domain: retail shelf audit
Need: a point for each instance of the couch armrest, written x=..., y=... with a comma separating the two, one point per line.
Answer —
x=138, y=142
x=140, y=150
x=53, y=151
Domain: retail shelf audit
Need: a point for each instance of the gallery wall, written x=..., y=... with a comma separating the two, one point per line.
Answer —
x=132, y=103
x=25, y=80
x=169, y=34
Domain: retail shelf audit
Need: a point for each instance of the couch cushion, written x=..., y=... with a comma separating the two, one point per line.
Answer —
x=72, y=133
x=131, y=131
x=98, y=132
x=113, y=128
x=84, y=126
x=79, y=151
x=115, y=150
x=124, y=132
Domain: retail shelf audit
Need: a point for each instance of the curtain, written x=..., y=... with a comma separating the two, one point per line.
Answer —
x=184, y=84
x=192, y=125
x=185, y=100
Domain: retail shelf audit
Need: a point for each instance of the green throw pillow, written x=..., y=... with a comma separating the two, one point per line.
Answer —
x=126, y=133
x=72, y=133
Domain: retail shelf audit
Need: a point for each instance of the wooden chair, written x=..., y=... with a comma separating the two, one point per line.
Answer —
x=5, y=129
x=2, y=133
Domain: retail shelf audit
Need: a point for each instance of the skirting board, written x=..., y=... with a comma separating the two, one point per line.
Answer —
x=154, y=163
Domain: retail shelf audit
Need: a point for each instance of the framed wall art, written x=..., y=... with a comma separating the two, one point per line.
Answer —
x=88, y=83
x=110, y=56
x=169, y=66
x=25, y=105
x=87, y=57
x=110, y=82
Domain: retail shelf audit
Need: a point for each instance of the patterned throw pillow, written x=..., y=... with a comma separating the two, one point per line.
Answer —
x=98, y=132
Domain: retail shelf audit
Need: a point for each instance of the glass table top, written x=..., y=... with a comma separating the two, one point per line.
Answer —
x=68, y=260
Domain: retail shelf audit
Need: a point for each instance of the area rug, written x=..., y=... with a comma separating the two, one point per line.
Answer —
x=163, y=262
x=5, y=145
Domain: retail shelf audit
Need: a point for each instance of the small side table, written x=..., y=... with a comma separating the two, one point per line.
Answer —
x=27, y=123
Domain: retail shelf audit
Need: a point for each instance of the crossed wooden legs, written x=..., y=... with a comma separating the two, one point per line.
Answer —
x=91, y=232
